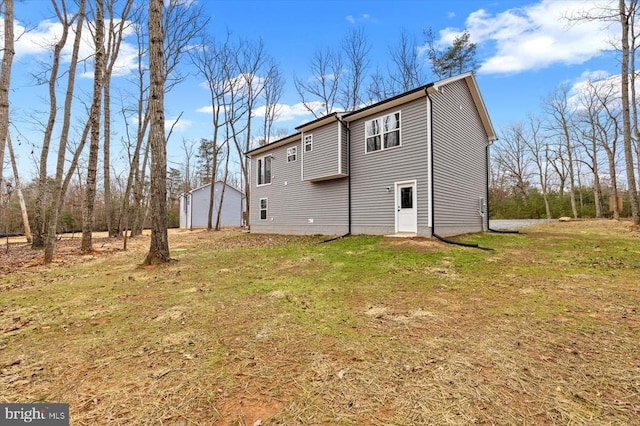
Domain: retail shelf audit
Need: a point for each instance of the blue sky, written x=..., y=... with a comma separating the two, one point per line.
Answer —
x=525, y=49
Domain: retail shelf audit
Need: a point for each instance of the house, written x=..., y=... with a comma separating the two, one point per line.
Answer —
x=194, y=206
x=413, y=164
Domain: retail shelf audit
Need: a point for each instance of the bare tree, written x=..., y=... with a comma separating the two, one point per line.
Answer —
x=212, y=61
x=407, y=70
x=94, y=117
x=319, y=92
x=5, y=79
x=40, y=221
x=115, y=34
x=560, y=124
x=181, y=22
x=608, y=137
x=241, y=105
x=188, y=147
x=159, y=246
x=356, y=50
x=273, y=88
x=539, y=153
x=624, y=14
x=16, y=178
x=512, y=155
x=627, y=11
x=593, y=119
x=58, y=191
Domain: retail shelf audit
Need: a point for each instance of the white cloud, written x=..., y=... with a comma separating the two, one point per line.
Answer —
x=40, y=40
x=291, y=112
x=284, y=112
x=602, y=82
x=365, y=17
x=182, y=124
x=535, y=36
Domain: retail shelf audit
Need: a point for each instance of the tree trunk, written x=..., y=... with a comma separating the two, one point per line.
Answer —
x=23, y=206
x=58, y=189
x=224, y=186
x=626, y=119
x=39, y=218
x=92, y=167
x=115, y=35
x=5, y=79
x=159, y=246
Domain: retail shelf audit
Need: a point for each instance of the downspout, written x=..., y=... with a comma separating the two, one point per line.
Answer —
x=346, y=127
x=432, y=206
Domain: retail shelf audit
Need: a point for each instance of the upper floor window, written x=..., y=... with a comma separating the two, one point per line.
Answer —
x=383, y=132
x=292, y=154
x=308, y=143
x=264, y=170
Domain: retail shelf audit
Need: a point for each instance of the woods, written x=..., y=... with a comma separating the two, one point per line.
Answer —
x=101, y=157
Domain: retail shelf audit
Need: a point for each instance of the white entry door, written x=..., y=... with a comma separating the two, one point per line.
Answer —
x=406, y=210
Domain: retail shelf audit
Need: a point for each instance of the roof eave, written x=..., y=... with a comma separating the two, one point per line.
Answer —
x=264, y=148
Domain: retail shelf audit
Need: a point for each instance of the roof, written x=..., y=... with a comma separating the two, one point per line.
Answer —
x=400, y=99
x=288, y=139
x=477, y=99
x=206, y=185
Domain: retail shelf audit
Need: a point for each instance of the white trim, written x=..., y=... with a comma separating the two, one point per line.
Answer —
x=429, y=171
x=260, y=209
x=270, y=172
x=304, y=142
x=301, y=156
x=397, y=185
x=382, y=148
x=294, y=153
x=339, y=148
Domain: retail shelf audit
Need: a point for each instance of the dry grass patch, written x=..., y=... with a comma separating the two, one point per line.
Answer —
x=362, y=330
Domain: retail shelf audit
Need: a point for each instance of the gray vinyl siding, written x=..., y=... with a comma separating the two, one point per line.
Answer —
x=344, y=150
x=292, y=202
x=373, y=206
x=325, y=158
x=198, y=207
x=459, y=158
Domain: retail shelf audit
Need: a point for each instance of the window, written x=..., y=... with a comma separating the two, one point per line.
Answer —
x=292, y=154
x=264, y=170
x=308, y=143
x=263, y=208
x=383, y=132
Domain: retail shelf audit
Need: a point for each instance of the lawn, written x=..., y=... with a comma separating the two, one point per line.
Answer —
x=245, y=329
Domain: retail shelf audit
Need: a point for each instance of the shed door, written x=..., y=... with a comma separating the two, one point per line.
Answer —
x=406, y=210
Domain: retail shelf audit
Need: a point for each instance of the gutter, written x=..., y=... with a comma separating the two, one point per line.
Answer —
x=432, y=207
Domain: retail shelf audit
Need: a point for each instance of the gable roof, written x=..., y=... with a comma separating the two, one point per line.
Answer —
x=206, y=185
x=400, y=99
x=287, y=139
x=472, y=84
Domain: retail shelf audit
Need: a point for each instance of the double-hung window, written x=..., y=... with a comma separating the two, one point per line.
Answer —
x=292, y=154
x=383, y=132
x=308, y=143
x=264, y=170
x=264, y=204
